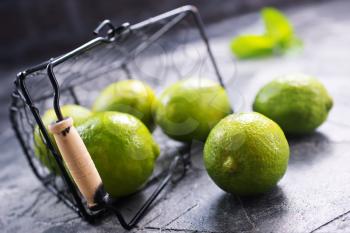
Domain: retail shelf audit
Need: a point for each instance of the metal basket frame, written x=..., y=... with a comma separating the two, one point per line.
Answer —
x=21, y=98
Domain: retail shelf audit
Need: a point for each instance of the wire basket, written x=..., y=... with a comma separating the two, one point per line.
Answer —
x=155, y=51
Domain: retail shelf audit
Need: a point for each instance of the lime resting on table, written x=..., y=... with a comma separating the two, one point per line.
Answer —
x=246, y=154
x=187, y=110
x=297, y=102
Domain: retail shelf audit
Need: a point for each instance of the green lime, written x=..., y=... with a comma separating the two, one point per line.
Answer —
x=189, y=109
x=128, y=96
x=122, y=149
x=79, y=115
x=298, y=103
x=246, y=154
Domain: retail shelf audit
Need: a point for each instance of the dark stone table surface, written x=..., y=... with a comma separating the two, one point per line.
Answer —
x=313, y=196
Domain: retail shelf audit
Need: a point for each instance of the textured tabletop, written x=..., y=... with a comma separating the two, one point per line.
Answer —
x=313, y=196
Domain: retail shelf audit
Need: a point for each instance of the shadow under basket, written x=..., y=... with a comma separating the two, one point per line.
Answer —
x=159, y=51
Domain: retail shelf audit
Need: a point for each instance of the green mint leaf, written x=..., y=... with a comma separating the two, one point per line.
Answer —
x=279, y=38
x=277, y=26
x=247, y=46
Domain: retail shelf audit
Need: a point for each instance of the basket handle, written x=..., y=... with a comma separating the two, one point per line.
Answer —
x=77, y=159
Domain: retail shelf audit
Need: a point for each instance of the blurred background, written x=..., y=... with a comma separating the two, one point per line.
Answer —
x=36, y=30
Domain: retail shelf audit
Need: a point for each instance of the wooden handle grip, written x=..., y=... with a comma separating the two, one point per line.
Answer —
x=77, y=158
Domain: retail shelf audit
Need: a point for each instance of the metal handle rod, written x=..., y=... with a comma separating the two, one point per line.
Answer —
x=56, y=89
